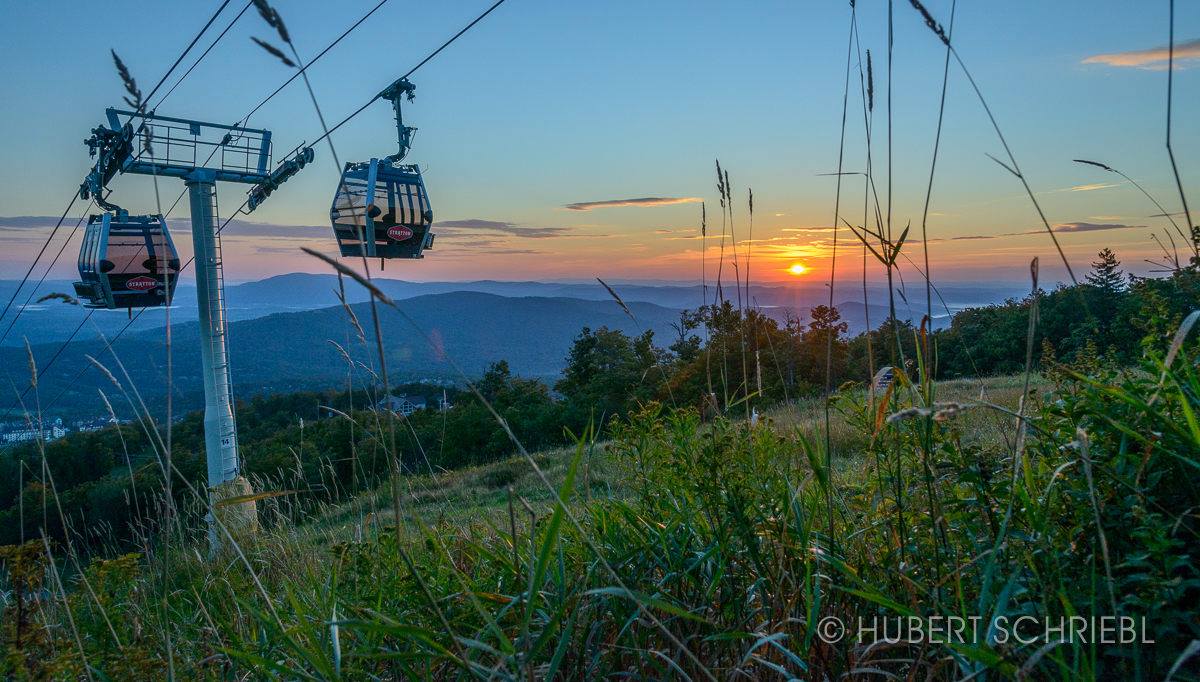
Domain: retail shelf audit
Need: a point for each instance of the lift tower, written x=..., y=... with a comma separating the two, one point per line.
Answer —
x=201, y=154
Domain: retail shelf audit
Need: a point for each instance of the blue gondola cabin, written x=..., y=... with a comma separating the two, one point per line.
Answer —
x=127, y=262
x=381, y=210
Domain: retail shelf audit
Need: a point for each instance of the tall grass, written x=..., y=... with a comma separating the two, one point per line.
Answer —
x=717, y=544
x=679, y=549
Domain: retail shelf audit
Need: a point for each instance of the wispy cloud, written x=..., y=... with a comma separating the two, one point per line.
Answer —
x=642, y=201
x=290, y=249
x=1059, y=228
x=1091, y=187
x=179, y=225
x=500, y=226
x=1154, y=59
x=23, y=222
x=248, y=229
x=245, y=228
x=810, y=230
x=1087, y=227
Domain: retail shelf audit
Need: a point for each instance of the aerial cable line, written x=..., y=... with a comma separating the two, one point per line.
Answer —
x=33, y=291
x=39, y=256
x=203, y=54
x=75, y=230
x=411, y=71
x=423, y=62
x=243, y=121
x=312, y=61
x=183, y=54
x=75, y=197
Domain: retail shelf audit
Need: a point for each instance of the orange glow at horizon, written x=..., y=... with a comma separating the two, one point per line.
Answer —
x=798, y=269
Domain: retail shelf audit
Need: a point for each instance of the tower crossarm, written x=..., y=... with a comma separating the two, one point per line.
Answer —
x=167, y=146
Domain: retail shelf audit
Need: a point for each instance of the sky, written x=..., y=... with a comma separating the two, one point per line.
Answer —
x=566, y=141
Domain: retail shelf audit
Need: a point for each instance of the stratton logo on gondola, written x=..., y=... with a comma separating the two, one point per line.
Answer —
x=399, y=233
x=142, y=283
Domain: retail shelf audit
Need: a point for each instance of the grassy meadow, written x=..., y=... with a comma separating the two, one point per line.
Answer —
x=1018, y=503
x=676, y=549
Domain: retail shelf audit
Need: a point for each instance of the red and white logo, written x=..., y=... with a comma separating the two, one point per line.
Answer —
x=142, y=283
x=399, y=233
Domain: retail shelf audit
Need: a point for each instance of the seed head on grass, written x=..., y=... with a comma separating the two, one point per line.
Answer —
x=720, y=183
x=931, y=22
x=1097, y=164
x=617, y=299
x=363, y=281
x=135, y=94
x=274, y=51
x=948, y=411
x=908, y=413
x=271, y=16
x=33, y=375
x=104, y=370
x=870, y=84
x=57, y=296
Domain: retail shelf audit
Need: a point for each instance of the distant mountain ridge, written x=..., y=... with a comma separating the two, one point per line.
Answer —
x=54, y=321
x=300, y=350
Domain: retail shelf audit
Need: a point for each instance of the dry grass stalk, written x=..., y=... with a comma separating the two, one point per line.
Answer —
x=617, y=298
x=273, y=51
x=135, y=94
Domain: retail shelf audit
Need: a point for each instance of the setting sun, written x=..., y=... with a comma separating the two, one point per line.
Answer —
x=798, y=269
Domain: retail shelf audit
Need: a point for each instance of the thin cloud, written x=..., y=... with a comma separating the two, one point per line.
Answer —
x=1059, y=228
x=501, y=226
x=1088, y=227
x=814, y=230
x=288, y=250
x=1153, y=59
x=245, y=228
x=468, y=244
x=28, y=222
x=1089, y=187
x=642, y=201
x=1092, y=187
x=460, y=253
x=181, y=225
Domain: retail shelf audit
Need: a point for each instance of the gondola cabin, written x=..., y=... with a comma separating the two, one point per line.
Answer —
x=126, y=262
x=381, y=210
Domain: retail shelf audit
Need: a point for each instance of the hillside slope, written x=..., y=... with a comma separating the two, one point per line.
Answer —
x=292, y=351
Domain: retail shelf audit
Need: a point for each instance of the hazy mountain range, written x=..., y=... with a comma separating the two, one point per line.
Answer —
x=304, y=350
x=286, y=332
x=55, y=321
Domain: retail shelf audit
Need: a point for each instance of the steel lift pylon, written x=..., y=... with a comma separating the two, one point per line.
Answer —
x=201, y=154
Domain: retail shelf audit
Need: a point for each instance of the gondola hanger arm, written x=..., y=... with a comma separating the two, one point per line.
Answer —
x=400, y=90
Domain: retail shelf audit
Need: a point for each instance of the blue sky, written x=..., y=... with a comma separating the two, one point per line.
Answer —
x=546, y=104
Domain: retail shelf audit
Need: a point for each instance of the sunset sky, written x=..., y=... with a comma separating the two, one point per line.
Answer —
x=568, y=140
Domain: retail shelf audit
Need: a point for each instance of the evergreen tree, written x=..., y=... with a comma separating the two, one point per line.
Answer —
x=1106, y=274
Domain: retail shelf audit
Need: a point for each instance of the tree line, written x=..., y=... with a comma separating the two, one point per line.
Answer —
x=324, y=446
